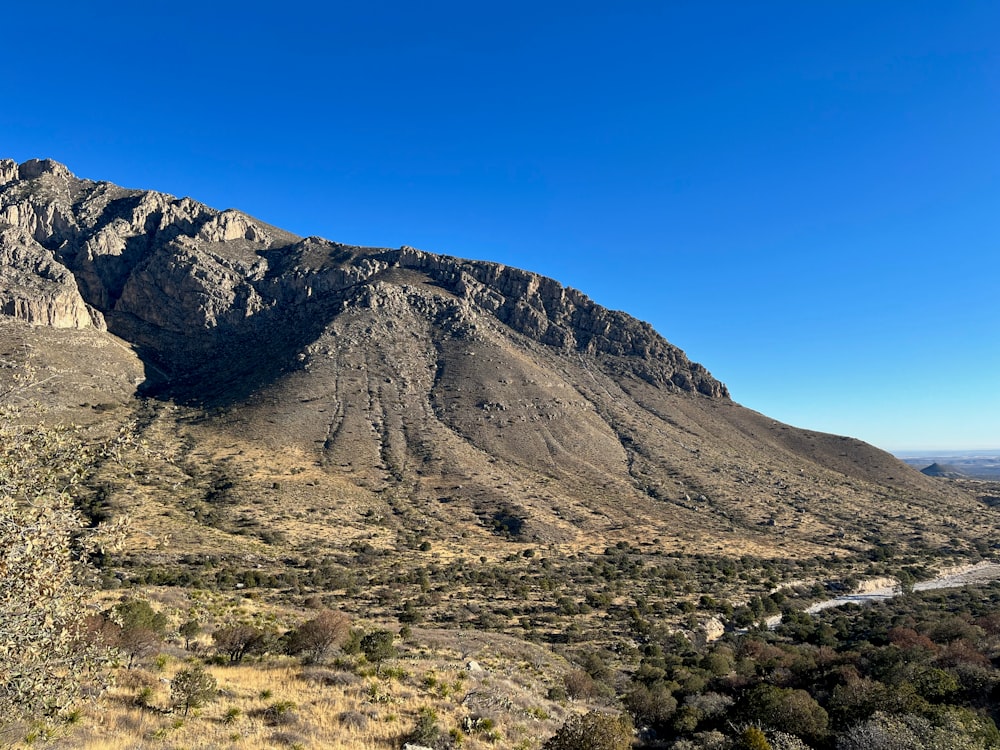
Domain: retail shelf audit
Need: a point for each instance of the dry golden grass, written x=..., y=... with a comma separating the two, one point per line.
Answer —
x=370, y=713
x=345, y=704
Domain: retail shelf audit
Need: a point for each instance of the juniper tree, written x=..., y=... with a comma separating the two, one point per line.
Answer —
x=192, y=688
x=378, y=646
x=45, y=654
x=314, y=638
x=594, y=730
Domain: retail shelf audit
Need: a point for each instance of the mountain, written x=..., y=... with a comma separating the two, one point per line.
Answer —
x=982, y=465
x=300, y=395
x=941, y=470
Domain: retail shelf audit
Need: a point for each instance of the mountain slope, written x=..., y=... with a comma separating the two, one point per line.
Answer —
x=303, y=394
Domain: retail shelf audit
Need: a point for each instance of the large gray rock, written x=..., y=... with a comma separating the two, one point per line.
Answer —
x=8, y=171
x=37, y=289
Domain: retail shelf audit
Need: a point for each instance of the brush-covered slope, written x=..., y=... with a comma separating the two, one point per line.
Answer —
x=312, y=392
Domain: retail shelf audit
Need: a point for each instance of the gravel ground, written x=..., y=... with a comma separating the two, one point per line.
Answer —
x=951, y=578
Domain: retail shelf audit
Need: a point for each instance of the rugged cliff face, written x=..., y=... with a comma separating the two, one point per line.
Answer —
x=178, y=278
x=462, y=397
x=36, y=288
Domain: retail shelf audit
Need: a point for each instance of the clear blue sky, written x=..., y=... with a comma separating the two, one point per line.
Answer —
x=805, y=196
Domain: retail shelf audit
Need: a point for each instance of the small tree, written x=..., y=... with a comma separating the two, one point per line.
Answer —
x=189, y=630
x=192, y=688
x=237, y=641
x=592, y=731
x=135, y=628
x=315, y=637
x=906, y=582
x=378, y=647
x=787, y=710
x=653, y=705
x=138, y=644
x=579, y=685
x=136, y=614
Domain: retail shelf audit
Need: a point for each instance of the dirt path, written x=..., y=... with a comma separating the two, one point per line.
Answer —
x=881, y=589
x=949, y=579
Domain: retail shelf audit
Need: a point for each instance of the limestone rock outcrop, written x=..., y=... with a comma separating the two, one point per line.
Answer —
x=177, y=277
x=8, y=171
x=37, y=289
x=565, y=318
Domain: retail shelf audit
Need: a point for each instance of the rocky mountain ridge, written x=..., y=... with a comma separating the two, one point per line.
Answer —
x=158, y=269
x=300, y=385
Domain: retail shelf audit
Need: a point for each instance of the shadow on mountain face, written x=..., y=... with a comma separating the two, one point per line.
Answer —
x=224, y=366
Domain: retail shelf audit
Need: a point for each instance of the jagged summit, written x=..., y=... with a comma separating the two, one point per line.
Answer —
x=180, y=279
x=11, y=171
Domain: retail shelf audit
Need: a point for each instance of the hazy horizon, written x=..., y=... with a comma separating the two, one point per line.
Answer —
x=939, y=453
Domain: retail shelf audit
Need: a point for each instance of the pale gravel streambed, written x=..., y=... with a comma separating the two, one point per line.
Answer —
x=950, y=578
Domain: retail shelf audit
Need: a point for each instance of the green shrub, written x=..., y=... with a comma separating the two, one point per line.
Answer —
x=592, y=731
x=752, y=738
x=787, y=710
x=378, y=647
x=192, y=688
x=426, y=730
x=47, y=656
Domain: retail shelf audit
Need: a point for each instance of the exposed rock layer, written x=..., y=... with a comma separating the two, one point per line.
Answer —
x=177, y=278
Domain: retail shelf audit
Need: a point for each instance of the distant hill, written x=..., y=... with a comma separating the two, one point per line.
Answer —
x=307, y=396
x=941, y=470
x=983, y=465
